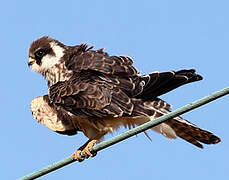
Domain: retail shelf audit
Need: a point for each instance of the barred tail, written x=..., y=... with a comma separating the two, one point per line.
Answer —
x=174, y=127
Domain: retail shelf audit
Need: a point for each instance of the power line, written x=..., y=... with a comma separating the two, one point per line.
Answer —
x=102, y=145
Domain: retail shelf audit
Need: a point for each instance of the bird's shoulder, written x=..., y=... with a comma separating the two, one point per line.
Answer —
x=82, y=57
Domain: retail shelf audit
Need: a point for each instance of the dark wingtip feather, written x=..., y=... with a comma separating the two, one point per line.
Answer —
x=214, y=139
x=199, y=145
x=199, y=77
x=161, y=83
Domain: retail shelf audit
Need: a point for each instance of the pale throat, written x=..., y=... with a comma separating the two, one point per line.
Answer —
x=54, y=66
x=57, y=73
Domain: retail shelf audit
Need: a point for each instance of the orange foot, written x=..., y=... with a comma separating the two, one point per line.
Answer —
x=85, y=151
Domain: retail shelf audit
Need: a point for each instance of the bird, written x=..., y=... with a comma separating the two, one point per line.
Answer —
x=92, y=92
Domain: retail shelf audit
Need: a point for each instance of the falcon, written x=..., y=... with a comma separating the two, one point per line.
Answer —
x=92, y=92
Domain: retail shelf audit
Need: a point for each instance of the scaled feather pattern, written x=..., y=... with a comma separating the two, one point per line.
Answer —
x=95, y=93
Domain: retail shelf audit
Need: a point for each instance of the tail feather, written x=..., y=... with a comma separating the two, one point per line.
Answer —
x=176, y=126
x=191, y=132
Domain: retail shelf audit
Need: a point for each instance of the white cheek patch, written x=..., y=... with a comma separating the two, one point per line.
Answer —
x=52, y=68
x=49, y=61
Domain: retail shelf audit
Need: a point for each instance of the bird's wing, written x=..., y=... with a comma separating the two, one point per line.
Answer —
x=157, y=83
x=90, y=95
x=56, y=120
x=83, y=58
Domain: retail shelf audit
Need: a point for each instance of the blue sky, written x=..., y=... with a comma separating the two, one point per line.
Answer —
x=159, y=35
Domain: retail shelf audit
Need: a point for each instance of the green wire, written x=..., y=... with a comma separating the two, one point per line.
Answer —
x=102, y=145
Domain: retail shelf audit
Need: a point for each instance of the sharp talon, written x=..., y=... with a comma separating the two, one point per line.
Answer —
x=88, y=149
x=77, y=156
x=85, y=151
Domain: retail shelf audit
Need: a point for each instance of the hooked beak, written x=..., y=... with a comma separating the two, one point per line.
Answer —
x=31, y=61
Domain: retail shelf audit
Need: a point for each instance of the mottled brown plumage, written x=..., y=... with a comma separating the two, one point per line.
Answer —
x=95, y=93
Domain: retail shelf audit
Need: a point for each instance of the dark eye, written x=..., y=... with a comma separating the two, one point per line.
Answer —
x=40, y=53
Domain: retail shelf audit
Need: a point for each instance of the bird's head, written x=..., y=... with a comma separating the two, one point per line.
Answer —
x=44, y=53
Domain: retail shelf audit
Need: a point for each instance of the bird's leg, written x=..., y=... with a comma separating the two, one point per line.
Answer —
x=85, y=151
